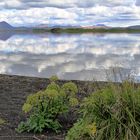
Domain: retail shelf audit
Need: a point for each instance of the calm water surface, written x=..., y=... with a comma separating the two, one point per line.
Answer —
x=70, y=56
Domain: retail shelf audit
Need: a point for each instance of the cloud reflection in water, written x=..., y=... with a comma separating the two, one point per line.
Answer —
x=79, y=57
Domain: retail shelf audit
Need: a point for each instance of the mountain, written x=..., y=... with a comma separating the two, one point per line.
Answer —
x=134, y=27
x=5, y=26
x=100, y=24
x=56, y=26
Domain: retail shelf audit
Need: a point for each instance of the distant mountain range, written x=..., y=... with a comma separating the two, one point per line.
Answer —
x=135, y=27
x=70, y=26
x=4, y=26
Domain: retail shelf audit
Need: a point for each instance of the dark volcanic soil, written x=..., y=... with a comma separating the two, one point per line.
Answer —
x=13, y=93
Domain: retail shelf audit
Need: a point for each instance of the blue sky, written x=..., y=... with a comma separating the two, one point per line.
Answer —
x=70, y=12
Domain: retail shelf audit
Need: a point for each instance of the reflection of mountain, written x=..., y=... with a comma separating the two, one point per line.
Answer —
x=5, y=35
x=82, y=57
x=5, y=31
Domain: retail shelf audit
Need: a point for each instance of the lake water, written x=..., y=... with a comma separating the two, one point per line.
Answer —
x=71, y=56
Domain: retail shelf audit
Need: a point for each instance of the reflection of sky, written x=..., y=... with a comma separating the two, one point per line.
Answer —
x=82, y=57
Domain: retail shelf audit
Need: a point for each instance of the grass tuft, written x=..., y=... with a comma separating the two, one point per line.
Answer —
x=114, y=111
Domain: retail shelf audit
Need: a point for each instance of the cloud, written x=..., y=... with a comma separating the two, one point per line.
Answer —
x=53, y=44
x=138, y=2
x=25, y=4
x=70, y=12
x=64, y=4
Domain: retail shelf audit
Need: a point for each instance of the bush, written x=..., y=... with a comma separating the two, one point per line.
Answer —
x=54, y=78
x=44, y=107
x=112, y=113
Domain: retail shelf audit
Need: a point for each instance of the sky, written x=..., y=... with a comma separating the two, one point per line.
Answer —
x=116, y=13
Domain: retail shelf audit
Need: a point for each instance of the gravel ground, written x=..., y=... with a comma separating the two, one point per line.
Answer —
x=13, y=93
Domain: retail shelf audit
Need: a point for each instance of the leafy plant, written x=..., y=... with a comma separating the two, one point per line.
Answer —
x=54, y=78
x=44, y=107
x=37, y=122
x=112, y=113
x=70, y=89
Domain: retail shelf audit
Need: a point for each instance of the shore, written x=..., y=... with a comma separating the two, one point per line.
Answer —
x=13, y=93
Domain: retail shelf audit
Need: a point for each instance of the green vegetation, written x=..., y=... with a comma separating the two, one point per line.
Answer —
x=54, y=78
x=2, y=121
x=73, y=30
x=86, y=30
x=44, y=107
x=111, y=113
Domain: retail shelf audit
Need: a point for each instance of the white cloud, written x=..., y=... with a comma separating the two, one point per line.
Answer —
x=73, y=12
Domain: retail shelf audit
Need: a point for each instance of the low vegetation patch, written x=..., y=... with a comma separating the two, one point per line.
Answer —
x=111, y=113
x=85, y=30
x=44, y=107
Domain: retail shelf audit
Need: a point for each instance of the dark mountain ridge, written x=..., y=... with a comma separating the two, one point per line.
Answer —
x=135, y=27
x=5, y=26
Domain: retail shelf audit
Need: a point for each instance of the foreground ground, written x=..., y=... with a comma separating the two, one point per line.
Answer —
x=13, y=93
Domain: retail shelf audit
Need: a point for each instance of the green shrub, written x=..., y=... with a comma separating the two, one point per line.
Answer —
x=73, y=101
x=44, y=107
x=70, y=89
x=112, y=113
x=54, y=78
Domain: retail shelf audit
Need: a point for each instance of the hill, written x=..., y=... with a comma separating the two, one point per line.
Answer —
x=135, y=27
x=5, y=26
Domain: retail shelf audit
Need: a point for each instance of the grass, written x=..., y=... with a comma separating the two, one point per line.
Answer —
x=111, y=113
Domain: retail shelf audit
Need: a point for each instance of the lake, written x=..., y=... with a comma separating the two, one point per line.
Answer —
x=71, y=56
